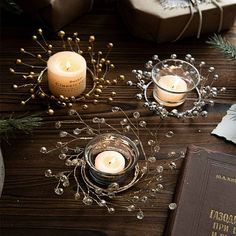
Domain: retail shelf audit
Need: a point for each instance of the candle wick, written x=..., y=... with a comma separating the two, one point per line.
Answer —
x=68, y=65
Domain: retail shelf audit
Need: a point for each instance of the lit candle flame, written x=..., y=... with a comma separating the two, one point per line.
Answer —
x=68, y=65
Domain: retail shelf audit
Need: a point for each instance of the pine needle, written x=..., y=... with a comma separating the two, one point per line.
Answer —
x=25, y=124
x=223, y=45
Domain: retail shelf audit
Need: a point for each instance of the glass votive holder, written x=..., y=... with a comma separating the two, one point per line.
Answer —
x=173, y=80
x=110, y=158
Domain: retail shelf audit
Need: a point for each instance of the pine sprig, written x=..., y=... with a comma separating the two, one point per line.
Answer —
x=25, y=124
x=224, y=46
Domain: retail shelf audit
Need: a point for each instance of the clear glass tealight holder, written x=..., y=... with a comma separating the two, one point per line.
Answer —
x=173, y=80
x=111, y=157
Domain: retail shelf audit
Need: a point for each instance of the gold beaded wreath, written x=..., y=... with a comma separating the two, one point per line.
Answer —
x=35, y=77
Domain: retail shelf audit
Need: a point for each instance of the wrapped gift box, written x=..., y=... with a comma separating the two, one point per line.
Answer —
x=55, y=13
x=153, y=21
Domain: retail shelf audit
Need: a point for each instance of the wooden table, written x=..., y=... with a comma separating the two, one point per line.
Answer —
x=28, y=204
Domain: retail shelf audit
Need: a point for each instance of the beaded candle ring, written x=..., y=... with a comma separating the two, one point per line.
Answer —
x=171, y=91
x=67, y=86
x=125, y=162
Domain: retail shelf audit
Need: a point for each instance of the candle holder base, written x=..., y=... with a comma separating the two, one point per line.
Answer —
x=204, y=95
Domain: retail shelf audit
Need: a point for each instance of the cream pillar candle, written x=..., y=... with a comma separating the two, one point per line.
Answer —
x=111, y=162
x=66, y=74
x=173, y=84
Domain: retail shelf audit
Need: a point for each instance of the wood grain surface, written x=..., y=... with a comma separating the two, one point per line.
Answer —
x=28, y=205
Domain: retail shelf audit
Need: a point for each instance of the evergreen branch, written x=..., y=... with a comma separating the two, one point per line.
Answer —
x=223, y=45
x=25, y=124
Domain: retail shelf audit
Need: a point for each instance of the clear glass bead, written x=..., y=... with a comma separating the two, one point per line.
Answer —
x=169, y=134
x=152, y=159
x=136, y=115
x=76, y=131
x=142, y=123
x=131, y=208
x=140, y=215
x=115, y=109
x=124, y=122
x=48, y=173
x=111, y=210
x=59, y=191
x=58, y=125
x=72, y=112
x=144, y=198
x=63, y=134
x=62, y=156
x=156, y=149
x=77, y=196
x=43, y=150
x=59, y=144
x=159, y=169
x=87, y=200
x=151, y=142
x=172, y=206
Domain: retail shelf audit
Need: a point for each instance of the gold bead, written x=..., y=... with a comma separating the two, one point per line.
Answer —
x=30, y=76
x=108, y=62
x=22, y=50
x=80, y=52
x=66, y=99
x=39, y=56
x=102, y=60
x=99, y=52
x=114, y=81
x=93, y=61
x=50, y=111
x=69, y=104
x=11, y=70
x=102, y=80
x=85, y=107
x=24, y=76
x=18, y=61
x=87, y=95
x=110, y=99
x=100, y=86
x=15, y=86
x=96, y=95
x=113, y=93
x=89, y=48
x=23, y=103
x=72, y=99
x=108, y=82
x=39, y=81
x=61, y=97
x=77, y=40
x=91, y=38
x=122, y=77
x=63, y=104
x=61, y=34
x=34, y=37
x=40, y=31
x=42, y=95
x=100, y=65
x=95, y=101
x=112, y=66
x=33, y=96
x=50, y=46
x=98, y=91
x=49, y=52
x=75, y=34
x=31, y=90
x=95, y=79
x=99, y=70
x=69, y=39
x=110, y=45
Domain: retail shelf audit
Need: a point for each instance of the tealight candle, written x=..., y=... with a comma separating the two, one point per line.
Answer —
x=111, y=162
x=66, y=74
x=168, y=90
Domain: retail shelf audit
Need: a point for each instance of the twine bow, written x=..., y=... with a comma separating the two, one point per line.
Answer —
x=191, y=4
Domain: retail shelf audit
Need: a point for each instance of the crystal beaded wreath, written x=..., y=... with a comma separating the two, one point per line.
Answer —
x=144, y=184
x=34, y=78
x=205, y=90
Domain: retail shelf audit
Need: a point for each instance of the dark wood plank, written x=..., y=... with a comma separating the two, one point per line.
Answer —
x=28, y=204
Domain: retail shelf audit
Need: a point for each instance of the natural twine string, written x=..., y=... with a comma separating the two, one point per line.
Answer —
x=195, y=4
